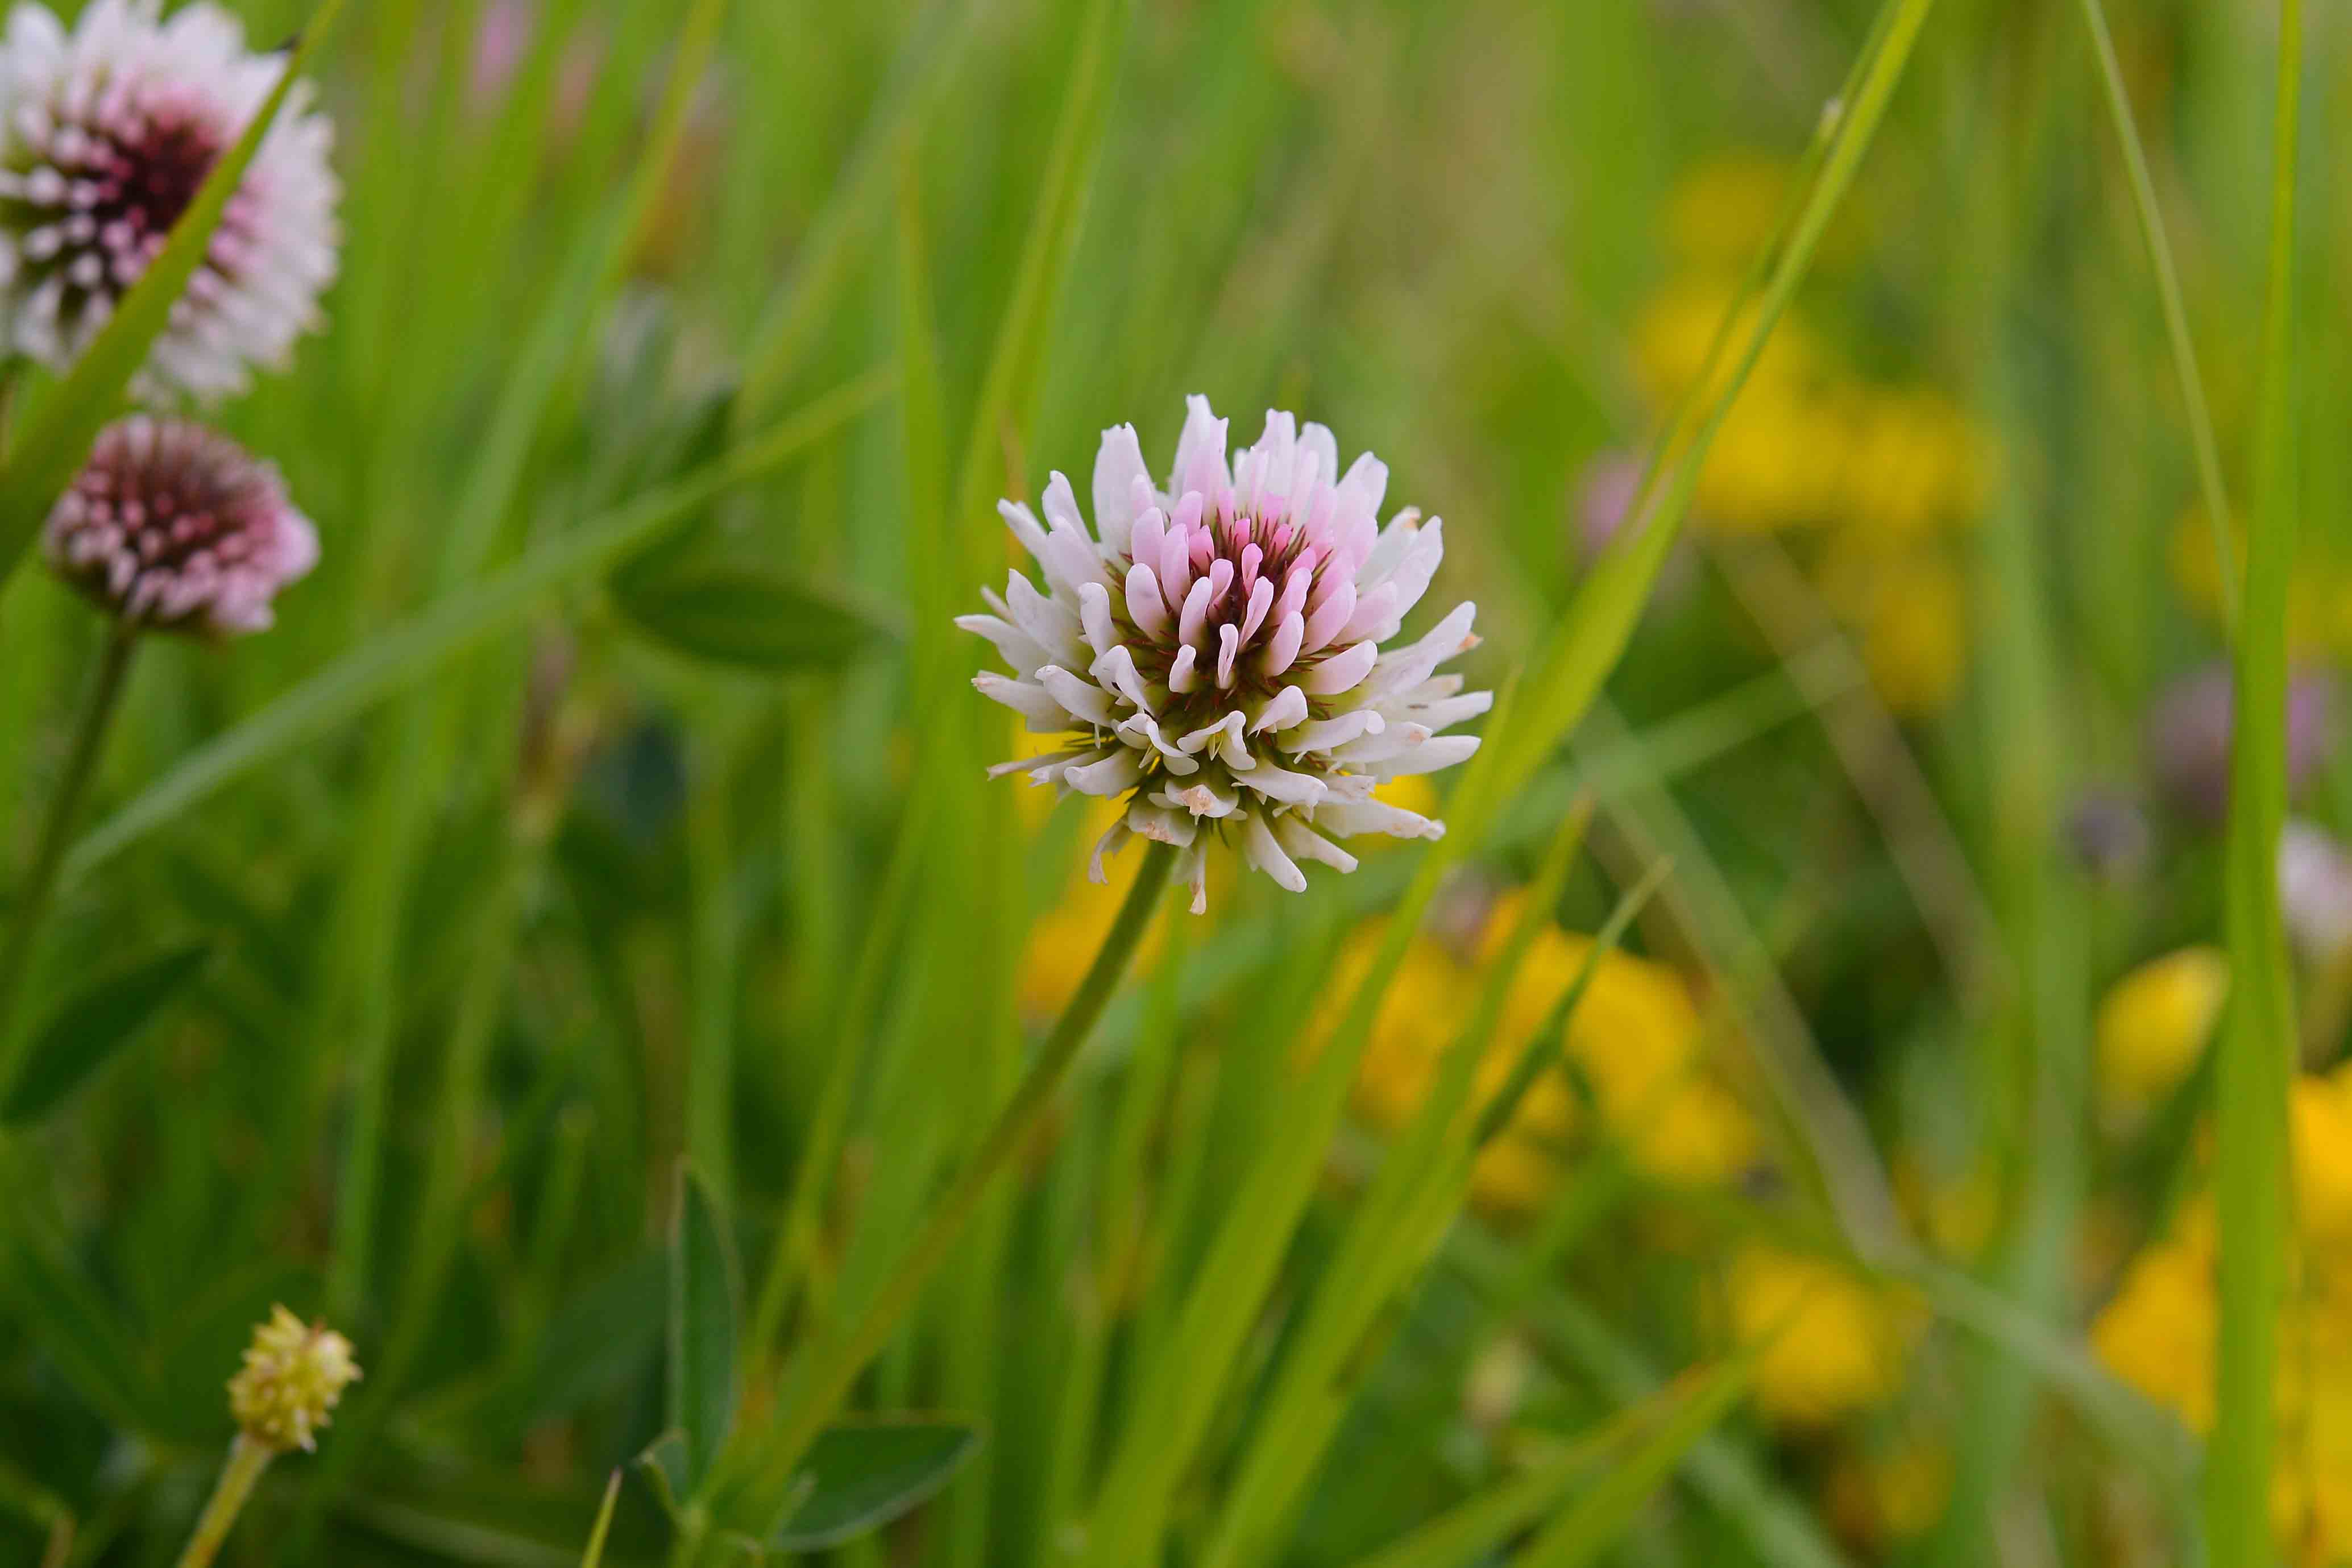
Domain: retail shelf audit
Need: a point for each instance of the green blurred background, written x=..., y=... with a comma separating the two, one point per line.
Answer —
x=1921, y=717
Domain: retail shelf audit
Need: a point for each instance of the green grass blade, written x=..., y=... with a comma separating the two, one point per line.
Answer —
x=593, y=1556
x=44, y=460
x=1597, y=1520
x=403, y=657
x=1468, y=1533
x=1592, y=633
x=2202, y=445
x=1420, y=1187
x=2250, y=1184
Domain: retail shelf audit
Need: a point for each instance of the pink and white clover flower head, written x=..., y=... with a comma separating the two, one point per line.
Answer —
x=171, y=526
x=107, y=131
x=1211, y=652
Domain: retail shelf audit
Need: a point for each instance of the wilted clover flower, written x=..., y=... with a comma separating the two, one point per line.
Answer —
x=1212, y=651
x=106, y=134
x=172, y=526
x=294, y=1373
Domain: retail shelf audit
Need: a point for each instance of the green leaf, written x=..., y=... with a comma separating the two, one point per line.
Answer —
x=662, y=1465
x=752, y=617
x=102, y=1017
x=599, y=1340
x=72, y=416
x=75, y=1325
x=864, y=1474
x=703, y=1293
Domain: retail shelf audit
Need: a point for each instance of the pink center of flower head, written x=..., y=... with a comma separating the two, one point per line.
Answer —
x=1241, y=591
x=99, y=192
x=173, y=526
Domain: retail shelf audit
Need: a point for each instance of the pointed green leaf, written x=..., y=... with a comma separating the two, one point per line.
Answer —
x=864, y=1474
x=703, y=1291
x=105, y=1014
x=72, y=416
x=663, y=1466
x=598, y=1340
x=753, y=617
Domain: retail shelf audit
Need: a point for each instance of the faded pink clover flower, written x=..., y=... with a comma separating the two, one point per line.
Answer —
x=1211, y=652
x=172, y=526
x=106, y=134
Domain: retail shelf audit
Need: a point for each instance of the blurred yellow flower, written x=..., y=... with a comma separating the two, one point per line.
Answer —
x=2321, y=1124
x=1912, y=615
x=1831, y=1343
x=1912, y=465
x=2158, y=1333
x=2153, y=1023
x=1633, y=1045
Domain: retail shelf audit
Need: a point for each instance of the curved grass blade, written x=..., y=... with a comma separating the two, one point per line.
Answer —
x=408, y=654
x=42, y=463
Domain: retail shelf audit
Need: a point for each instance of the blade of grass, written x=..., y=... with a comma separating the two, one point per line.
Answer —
x=1469, y=1532
x=2251, y=1190
x=2202, y=446
x=1169, y=1412
x=935, y=43
x=1596, y=1520
x=399, y=660
x=594, y=1555
x=1591, y=637
x=44, y=458
x=1386, y=1240
x=1781, y=1526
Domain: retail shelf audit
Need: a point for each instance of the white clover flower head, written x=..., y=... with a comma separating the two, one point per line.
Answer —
x=1212, y=651
x=294, y=1375
x=172, y=526
x=106, y=134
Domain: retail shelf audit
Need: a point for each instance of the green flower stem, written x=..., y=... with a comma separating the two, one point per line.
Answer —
x=246, y=1460
x=40, y=885
x=2253, y=1181
x=839, y=1357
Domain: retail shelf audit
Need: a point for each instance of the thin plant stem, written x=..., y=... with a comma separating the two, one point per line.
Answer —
x=246, y=1460
x=2212, y=492
x=40, y=884
x=841, y=1355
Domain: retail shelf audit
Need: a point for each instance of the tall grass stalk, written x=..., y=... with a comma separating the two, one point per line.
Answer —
x=38, y=889
x=2252, y=1188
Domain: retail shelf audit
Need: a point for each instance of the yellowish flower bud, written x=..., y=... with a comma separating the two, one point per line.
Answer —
x=294, y=1373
